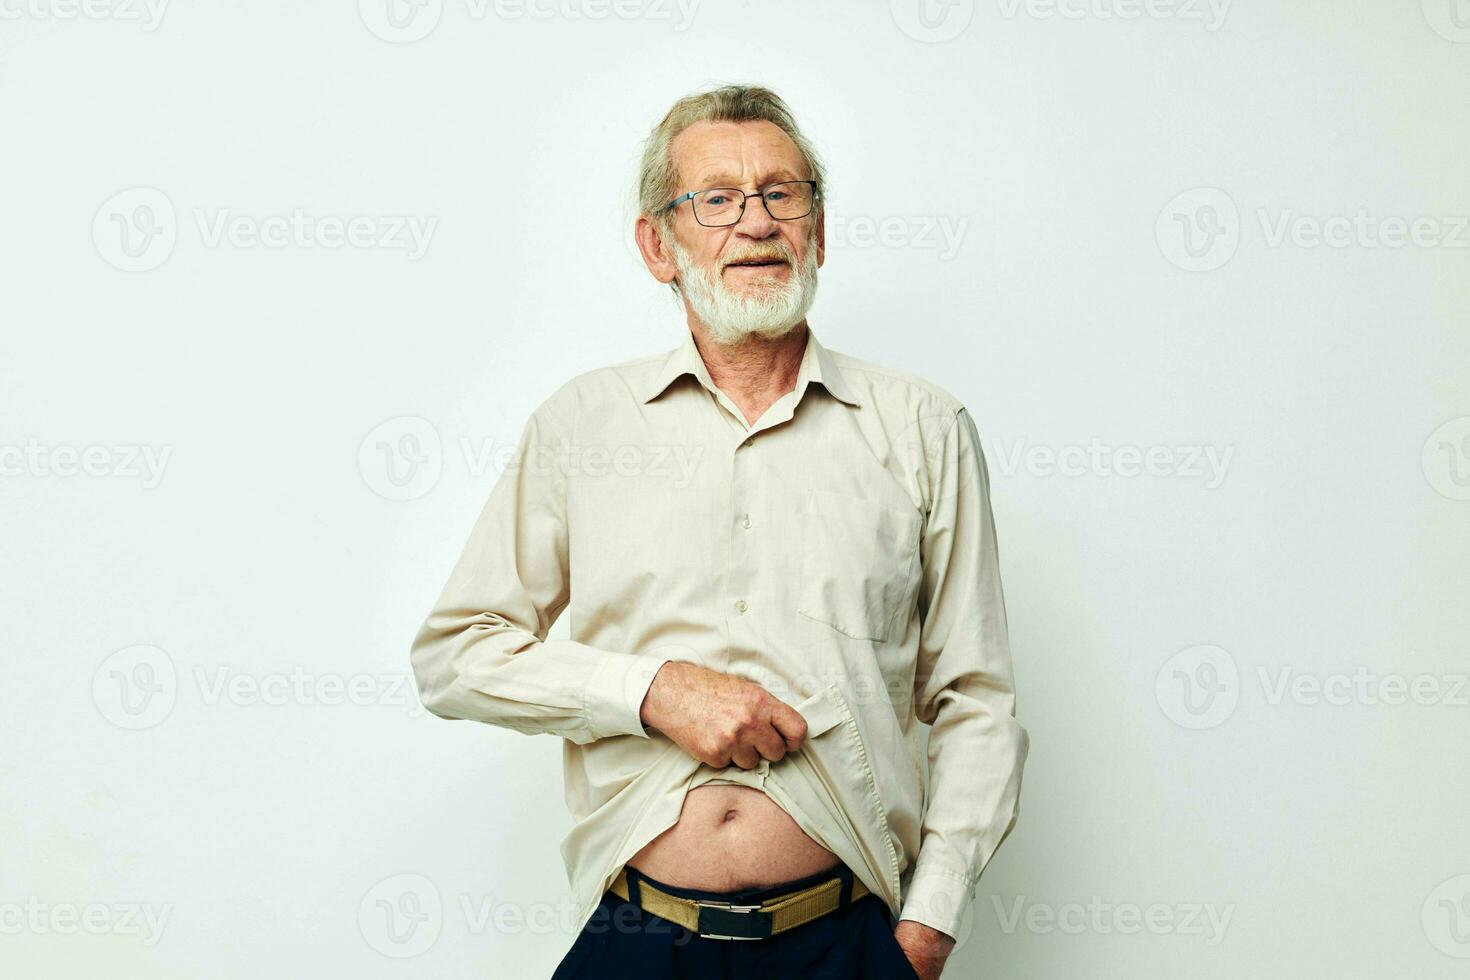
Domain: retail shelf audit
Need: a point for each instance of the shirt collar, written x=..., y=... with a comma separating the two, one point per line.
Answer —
x=817, y=364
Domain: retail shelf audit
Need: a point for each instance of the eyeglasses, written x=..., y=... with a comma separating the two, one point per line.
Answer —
x=721, y=206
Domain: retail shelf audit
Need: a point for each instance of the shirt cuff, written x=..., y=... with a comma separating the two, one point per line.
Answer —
x=613, y=696
x=938, y=900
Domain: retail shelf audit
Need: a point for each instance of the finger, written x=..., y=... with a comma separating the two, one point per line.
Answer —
x=745, y=757
x=790, y=724
x=771, y=744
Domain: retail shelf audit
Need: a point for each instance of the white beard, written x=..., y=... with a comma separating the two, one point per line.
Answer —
x=772, y=310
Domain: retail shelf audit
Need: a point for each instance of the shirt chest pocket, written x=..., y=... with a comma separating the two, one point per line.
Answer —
x=859, y=563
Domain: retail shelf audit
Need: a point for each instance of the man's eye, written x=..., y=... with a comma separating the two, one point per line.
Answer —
x=716, y=199
x=776, y=195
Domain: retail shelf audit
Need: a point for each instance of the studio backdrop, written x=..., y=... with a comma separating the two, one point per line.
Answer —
x=282, y=283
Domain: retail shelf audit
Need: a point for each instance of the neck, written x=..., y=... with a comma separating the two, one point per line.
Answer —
x=756, y=371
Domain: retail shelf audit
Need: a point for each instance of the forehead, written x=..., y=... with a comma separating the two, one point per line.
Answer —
x=743, y=153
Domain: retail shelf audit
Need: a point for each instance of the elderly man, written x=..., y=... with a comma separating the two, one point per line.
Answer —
x=779, y=560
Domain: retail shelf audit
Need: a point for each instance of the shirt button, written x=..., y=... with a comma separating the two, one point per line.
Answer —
x=740, y=605
x=745, y=520
x=746, y=444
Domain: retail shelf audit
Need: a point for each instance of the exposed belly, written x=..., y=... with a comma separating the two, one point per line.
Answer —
x=731, y=837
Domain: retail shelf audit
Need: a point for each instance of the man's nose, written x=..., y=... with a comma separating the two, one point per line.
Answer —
x=756, y=222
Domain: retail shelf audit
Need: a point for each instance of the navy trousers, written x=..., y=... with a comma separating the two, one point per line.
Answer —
x=621, y=941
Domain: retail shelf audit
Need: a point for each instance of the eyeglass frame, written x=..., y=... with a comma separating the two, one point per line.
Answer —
x=744, y=200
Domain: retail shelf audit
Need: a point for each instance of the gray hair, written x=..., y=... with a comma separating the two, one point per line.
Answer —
x=658, y=179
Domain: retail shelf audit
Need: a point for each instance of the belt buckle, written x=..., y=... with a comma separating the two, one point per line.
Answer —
x=729, y=907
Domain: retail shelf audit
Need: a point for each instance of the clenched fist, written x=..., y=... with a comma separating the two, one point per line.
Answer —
x=720, y=718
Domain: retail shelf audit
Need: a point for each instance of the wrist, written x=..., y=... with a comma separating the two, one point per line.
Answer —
x=924, y=937
x=648, y=712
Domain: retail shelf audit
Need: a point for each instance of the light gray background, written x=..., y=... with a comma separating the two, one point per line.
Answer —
x=1244, y=681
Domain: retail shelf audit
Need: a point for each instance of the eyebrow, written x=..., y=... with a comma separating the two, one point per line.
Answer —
x=725, y=180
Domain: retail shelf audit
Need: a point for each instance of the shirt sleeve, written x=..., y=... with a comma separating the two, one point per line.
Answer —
x=964, y=687
x=482, y=653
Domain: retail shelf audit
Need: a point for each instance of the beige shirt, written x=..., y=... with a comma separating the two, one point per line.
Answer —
x=840, y=552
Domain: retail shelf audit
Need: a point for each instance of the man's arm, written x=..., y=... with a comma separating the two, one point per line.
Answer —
x=482, y=653
x=963, y=687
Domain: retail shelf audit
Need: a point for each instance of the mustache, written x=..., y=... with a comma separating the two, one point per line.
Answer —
x=779, y=253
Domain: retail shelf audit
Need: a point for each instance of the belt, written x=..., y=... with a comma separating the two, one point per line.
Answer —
x=725, y=920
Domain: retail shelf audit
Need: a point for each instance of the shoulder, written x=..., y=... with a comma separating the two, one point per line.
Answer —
x=902, y=398
x=601, y=389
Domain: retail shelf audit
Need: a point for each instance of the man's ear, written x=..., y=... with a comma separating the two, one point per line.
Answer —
x=821, y=240
x=656, y=255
